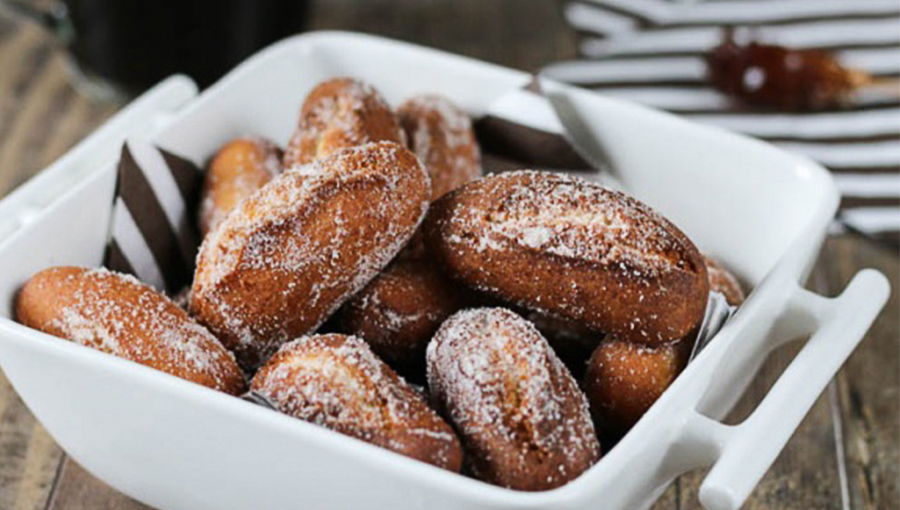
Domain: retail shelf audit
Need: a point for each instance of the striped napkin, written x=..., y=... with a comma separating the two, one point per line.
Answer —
x=652, y=52
x=153, y=236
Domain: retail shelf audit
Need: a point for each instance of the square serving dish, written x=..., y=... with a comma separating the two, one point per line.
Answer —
x=178, y=446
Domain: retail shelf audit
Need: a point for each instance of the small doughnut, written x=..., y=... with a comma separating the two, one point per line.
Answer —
x=722, y=281
x=572, y=249
x=399, y=311
x=624, y=379
x=240, y=167
x=340, y=113
x=335, y=381
x=522, y=420
x=292, y=253
x=442, y=136
x=118, y=315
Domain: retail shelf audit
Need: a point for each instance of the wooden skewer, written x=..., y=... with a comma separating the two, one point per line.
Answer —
x=888, y=85
x=862, y=80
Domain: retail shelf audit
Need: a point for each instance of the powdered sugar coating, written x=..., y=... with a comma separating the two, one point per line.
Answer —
x=293, y=252
x=442, y=136
x=518, y=411
x=119, y=315
x=579, y=220
x=337, y=382
x=573, y=249
x=722, y=281
x=340, y=113
x=241, y=167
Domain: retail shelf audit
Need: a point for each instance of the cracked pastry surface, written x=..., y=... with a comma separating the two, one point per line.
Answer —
x=337, y=382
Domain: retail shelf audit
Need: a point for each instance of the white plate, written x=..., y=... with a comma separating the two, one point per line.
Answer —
x=178, y=446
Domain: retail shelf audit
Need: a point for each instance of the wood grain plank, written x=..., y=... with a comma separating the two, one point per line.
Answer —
x=8, y=26
x=29, y=456
x=79, y=490
x=671, y=498
x=39, y=472
x=869, y=385
x=72, y=117
x=30, y=129
x=525, y=34
x=24, y=54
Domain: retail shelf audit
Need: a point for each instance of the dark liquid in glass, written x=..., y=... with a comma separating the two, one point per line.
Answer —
x=136, y=43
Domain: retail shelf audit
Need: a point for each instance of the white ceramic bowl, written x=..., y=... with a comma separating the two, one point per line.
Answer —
x=178, y=446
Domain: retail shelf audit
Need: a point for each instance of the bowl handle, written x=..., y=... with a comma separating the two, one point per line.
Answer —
x=747, y=450
x=145, y=115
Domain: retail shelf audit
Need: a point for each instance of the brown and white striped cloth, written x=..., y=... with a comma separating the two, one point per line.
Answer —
x=153, y=234
x=652, y=52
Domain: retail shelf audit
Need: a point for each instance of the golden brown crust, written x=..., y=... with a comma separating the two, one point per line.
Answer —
x=519, y=413
x=335, y=381
x=399, y=311
x=442, y=136
x=294, y=251
x=722, y=281
x=340, y=113
x=624, y=379
x=118, y=315
x=573, y=249
x=241, y=167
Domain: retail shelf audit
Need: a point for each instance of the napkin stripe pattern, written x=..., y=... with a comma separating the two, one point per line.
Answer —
x=606, y=18
x=153, y=236
x=185, y=174
x=130, y=251
x=522, y=130
x=658, y=60
x=527, y=146
x=115, y=258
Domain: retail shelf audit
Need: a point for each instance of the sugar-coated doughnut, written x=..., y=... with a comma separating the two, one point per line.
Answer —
x=399, y=311
x=335, y=381
x=624, y=379
x=573, y=249
x=721, y=280
x=119, y=315
x=442, y=136
x=340, y=113
x=241, y=167
x=295, y=250
x=522, y=420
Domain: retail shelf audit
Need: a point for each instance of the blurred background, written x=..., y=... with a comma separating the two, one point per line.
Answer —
x=68, y=66
x=133, y=45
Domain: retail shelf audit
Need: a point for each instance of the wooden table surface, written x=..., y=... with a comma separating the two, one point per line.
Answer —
x=845, y=454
